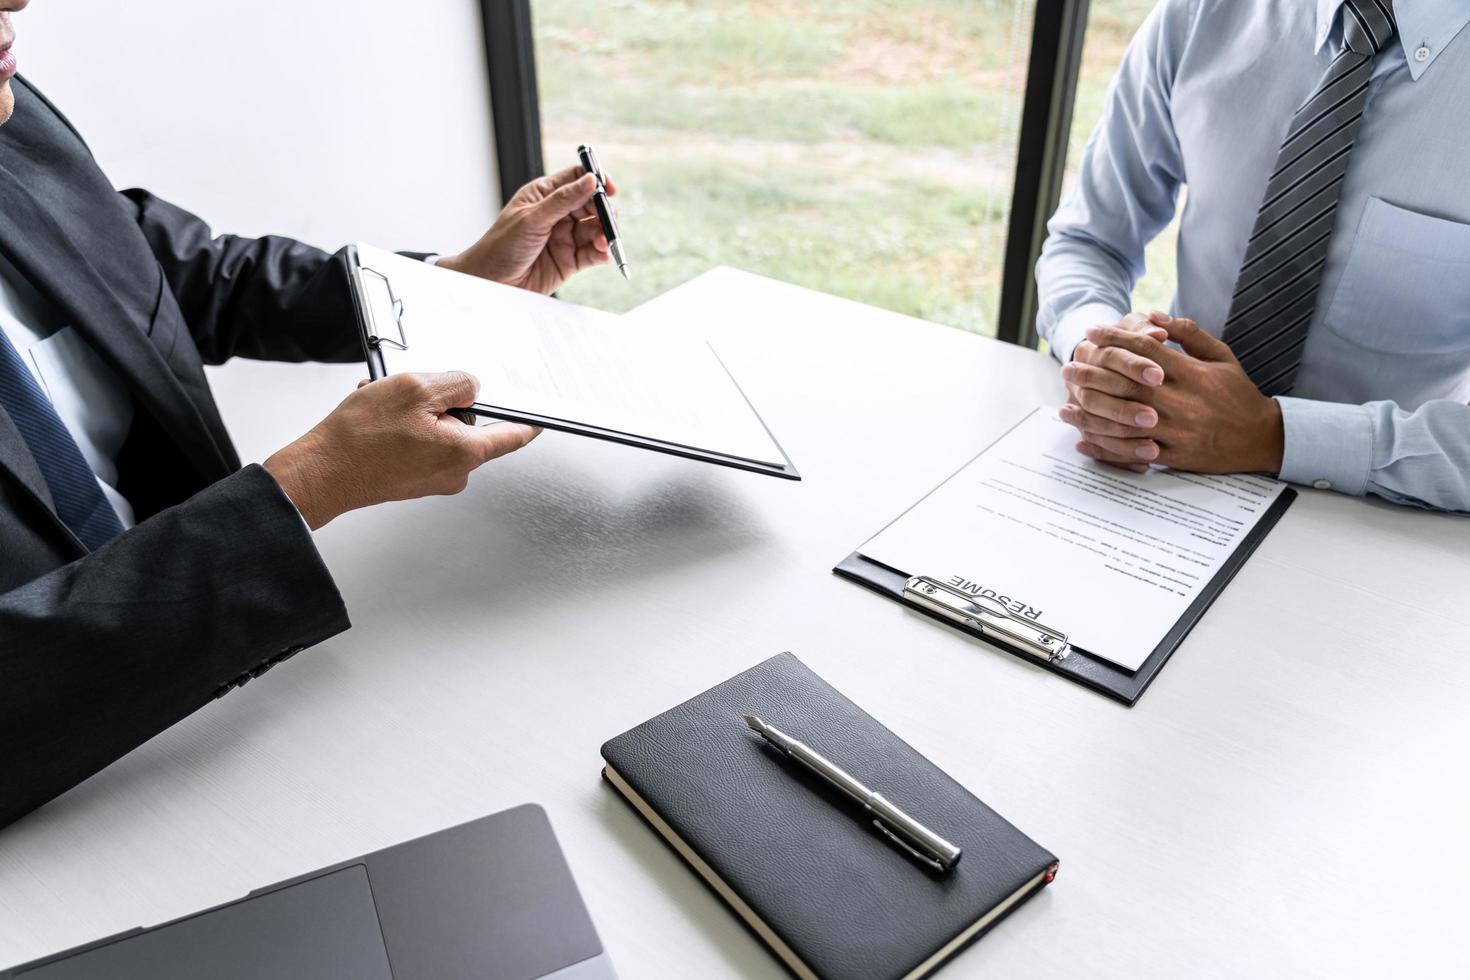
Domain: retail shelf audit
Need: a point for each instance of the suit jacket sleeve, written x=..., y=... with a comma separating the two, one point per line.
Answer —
x=268, y=298
x=105, y=652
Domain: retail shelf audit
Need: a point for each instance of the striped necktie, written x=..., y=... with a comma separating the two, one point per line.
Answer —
x=74, y=491
x=1276, y=291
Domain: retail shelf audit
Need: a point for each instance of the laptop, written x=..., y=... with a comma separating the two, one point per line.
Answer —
x=490, y=899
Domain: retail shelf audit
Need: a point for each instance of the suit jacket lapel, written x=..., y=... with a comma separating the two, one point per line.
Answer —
x=16, y=459
x=41, y=248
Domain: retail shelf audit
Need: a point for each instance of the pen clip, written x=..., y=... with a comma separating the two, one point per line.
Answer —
x=595, y=166
x=923, y=859
x=989, y=616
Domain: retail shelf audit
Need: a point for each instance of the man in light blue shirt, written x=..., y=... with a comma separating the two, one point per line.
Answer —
x=1326, y=238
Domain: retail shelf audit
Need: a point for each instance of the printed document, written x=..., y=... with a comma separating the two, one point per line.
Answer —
x=538, y=355
x=1110, y=557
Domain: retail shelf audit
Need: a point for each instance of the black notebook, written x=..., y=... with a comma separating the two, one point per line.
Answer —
x=801, y=865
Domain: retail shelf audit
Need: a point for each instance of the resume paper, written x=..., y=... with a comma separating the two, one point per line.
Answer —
x=1110, y=557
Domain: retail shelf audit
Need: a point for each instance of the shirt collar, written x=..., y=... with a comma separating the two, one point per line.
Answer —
x=1427, y=24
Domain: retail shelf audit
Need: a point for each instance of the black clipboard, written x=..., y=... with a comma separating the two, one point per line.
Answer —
x=1103, y=676
x=381, y=327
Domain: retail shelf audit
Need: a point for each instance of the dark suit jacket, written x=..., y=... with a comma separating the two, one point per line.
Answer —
x=219, y=580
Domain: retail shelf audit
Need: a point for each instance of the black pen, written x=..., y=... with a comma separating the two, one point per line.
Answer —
x=590, y=164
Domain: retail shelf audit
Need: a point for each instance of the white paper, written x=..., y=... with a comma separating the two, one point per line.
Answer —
x=538, y=355
x=1110, y=557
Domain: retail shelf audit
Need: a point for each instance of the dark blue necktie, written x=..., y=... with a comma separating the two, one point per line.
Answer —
x=74, y=490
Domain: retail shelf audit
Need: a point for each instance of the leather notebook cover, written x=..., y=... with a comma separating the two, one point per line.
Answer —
x=799, y=862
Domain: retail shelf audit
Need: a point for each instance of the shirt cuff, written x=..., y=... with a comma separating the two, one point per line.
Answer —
x=1328, y=445
x=1071, y=329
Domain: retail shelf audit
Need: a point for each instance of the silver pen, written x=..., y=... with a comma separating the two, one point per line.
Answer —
x=918, y=840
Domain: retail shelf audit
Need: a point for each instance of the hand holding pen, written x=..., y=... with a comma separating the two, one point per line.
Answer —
x=546, y=233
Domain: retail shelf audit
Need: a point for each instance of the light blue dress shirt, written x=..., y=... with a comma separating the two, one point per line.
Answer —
x=1204, y=98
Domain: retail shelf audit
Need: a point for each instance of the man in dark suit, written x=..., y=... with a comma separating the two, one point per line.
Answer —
x=143, y=571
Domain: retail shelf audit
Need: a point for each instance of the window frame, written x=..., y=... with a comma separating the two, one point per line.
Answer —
x=515, y=102
x=1041, y=159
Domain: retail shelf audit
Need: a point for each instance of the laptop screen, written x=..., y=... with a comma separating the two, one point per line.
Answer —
x=323, y=927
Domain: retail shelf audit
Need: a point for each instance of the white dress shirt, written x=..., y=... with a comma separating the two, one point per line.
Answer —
x=90, y=399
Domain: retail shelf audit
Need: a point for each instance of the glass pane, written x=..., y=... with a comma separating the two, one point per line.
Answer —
x=861, y=147
x=1110, y=26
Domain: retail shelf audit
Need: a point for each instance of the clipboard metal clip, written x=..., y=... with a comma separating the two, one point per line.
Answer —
x=990, y=617
x=384, y=309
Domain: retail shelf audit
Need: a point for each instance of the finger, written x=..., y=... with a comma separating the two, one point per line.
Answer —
x=532, y=191
x=591, y=254
x=566, y=199
x=1089, y=425
x=451, y=389
x=499, y=438
x=589, y=210
x=1138, y=323
x=589, y=232
x=1103, y=456
x=1135, y=367
x=1138, y=343
x=1082, y=376
x=1129, y=450
x=1195, y=341
x=564, y=176
x=363, y=383
x=1117, y=409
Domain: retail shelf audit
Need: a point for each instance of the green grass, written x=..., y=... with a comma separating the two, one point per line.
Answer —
x=861, y=147
x=950, y=112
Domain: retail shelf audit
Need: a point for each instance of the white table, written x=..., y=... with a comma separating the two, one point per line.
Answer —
x=1288, y=799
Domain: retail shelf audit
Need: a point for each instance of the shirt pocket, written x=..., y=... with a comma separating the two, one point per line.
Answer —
x=1406, y=286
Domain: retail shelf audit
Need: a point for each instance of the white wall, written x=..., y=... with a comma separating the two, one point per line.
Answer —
x=326, y=120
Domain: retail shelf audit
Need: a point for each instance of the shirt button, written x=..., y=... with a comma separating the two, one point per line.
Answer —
x=1421, y=54
x=1322, y=484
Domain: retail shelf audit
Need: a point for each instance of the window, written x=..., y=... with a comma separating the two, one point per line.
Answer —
x=862, y=147
x=866, y=148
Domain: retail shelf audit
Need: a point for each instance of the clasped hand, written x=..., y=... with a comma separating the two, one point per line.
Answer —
x=1138, y=402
